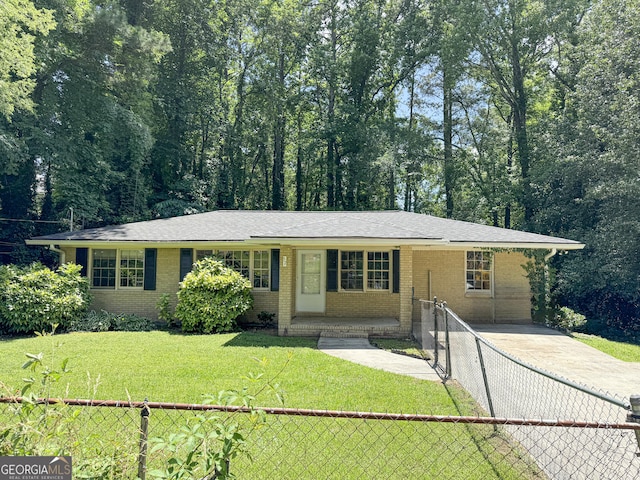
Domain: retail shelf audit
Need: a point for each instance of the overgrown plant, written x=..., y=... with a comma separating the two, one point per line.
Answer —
x=104, y=321
x=34, y=297
x=569, y=320
x=41, y=427
x=164, y=309
x=205, y=447
x=541, y=277
x=211, y=298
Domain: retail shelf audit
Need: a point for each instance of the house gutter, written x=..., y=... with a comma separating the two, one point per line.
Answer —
x=61, y=254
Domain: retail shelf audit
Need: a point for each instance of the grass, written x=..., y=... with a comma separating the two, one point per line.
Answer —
x=627, y=352
x=400, y=346
x=167, y=367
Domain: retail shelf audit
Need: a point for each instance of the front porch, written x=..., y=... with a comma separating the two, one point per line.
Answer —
x=312, y=326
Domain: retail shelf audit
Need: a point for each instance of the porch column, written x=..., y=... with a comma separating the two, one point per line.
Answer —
x=285, y=297
x=406, y=288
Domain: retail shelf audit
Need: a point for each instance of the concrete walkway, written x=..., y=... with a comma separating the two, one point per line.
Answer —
x=359, y=350
x=558, y=353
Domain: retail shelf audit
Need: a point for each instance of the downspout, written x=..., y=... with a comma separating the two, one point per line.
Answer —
x=547, y=283
x=60, y=253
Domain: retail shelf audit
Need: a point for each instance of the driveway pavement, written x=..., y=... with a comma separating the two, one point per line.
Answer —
x=558, y=353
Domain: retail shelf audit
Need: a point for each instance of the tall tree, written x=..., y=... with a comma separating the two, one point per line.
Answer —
x=514, y=39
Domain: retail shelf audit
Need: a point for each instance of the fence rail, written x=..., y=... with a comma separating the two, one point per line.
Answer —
x=507, y=387
x=303, y=443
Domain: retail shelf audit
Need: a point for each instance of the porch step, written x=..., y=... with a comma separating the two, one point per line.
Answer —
x=343, y=334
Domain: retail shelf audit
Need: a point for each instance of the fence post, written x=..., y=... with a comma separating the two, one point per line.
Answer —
x=486, y=381
x=144, y=433
x=435, y=331
x=634, y=416
x=447, y=344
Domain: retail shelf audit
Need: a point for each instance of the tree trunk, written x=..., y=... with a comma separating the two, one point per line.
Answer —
x=449, y=168
x=277, y=193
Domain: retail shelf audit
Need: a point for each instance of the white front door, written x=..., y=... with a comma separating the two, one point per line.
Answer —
x=310, y=281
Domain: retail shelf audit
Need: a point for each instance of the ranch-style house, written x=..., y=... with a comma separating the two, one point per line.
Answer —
x=317, y=271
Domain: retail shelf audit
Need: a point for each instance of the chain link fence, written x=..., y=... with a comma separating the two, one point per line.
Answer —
x=116, y=440
x=531, y=425
x=507, y=387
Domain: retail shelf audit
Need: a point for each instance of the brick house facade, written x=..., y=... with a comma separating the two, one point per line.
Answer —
x=316, y=265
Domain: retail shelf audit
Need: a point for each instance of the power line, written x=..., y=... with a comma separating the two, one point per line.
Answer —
x=31, y=221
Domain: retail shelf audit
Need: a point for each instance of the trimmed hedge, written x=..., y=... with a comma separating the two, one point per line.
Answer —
x=35, y=297
x=211, y=298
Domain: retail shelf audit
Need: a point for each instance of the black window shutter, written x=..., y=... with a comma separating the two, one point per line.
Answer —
x=332, y=270
x=186, y=261
x=275, y=269
x=396, y=271
x=150, y=262
x=82, y=259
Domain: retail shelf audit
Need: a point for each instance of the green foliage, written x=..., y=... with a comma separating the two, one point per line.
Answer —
x=266, y=319
x=206, y=445
x=35, y=297
x=165, y=312
x=540, y=276
x=104, y=321
x=567, y=319
x=20, y=21
x=39, y=429
x=211, y=297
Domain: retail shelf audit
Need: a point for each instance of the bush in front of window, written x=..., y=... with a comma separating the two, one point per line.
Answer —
x=211, y=297
x=33, y=298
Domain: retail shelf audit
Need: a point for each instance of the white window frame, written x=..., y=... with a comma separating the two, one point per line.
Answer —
x=139, y=270
x=118, y=270
x=486, y=275
x=365, y=271
x=218, y=253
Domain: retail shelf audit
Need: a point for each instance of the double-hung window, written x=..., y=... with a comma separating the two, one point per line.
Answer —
x=252, y=264
x=132, y=268
x=378, y=270
x=354, y=270
x=351, y=270
x=103, y=268
x=478, y=271
x=127, y=266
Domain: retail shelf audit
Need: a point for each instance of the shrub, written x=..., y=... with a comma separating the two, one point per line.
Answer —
x=104, y=321
x=164, y=309
x=91, y=322
x=568, y=319
x=35, y=297
x=211, y=297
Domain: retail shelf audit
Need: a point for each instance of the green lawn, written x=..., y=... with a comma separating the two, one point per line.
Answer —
x=168, y=367
x=628, y=352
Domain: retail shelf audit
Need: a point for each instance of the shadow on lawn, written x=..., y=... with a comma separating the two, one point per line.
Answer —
x=263, y=339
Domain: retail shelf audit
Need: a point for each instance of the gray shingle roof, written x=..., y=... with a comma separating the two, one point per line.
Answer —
x=243, y=225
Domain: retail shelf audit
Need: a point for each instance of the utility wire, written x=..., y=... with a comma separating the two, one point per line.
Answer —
x=32, y=221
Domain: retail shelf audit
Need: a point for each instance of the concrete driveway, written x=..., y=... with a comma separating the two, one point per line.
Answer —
x=558, y=353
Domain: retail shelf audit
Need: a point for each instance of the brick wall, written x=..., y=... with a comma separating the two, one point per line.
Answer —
x=442, y=274
x=363, y=304
x=423, y=274
x=143, y=302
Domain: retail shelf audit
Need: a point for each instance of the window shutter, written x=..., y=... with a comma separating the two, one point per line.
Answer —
x=396, y=271
x=82, y=259
x=150, y=262
x=186, y=261
x=275, y=270
x=332, y=270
